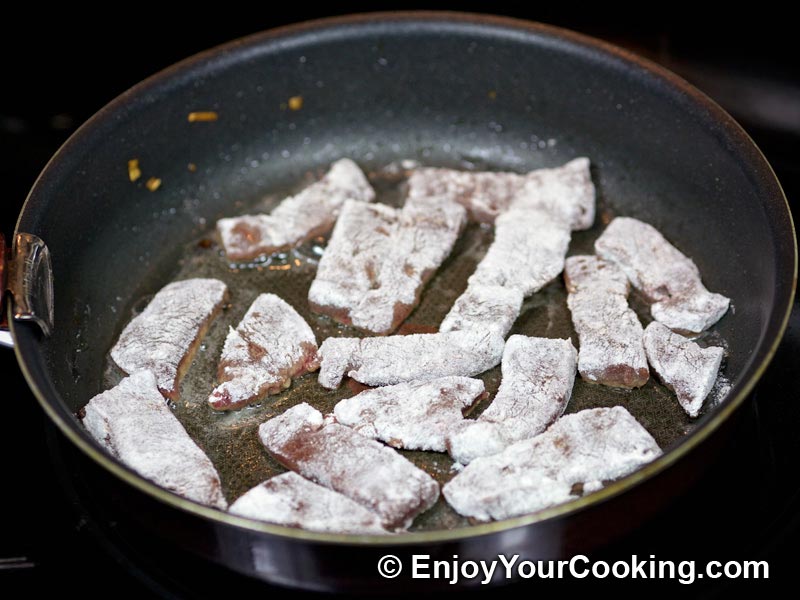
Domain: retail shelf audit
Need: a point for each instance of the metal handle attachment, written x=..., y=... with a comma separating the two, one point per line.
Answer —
x=26, y=282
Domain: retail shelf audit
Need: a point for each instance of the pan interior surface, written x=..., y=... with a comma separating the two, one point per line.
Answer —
x=231, y=438
x=451, y=92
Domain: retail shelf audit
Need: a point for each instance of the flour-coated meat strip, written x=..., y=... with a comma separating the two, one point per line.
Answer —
x=164, y=336
x=666, y=277
x=567, y=189
x=531, y=238
x=575, y=455
x=345, y=461
x=566, y=192
x=298, y=218
x=271, y=345
x=293, y=501
x=134, y=423
x=487, y=307
x=485, y=194
x=417, y=357
x=527, y=252
x=378, y=260
x=414, y=415
x=538, y=375
x=610, y=334
x=682, y=365
x=349, y=266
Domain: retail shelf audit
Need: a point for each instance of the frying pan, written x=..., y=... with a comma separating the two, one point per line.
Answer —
x=442, y=88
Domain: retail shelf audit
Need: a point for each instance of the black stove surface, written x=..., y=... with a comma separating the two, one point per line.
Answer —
x=55, y=537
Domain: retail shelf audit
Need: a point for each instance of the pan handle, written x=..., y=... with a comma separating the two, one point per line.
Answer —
x=26, y=284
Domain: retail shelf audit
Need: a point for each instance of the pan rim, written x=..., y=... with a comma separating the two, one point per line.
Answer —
x=576, y=40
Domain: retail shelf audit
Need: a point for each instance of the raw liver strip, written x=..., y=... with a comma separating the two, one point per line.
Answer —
x=531, y=240
x=270, y=346
x=538, y=375
x=683, y=366
x=133, y=422
x=165, y=335
x=580, y=450
x=491, y=308
x=666, y=277
x=415, y=415
x=488, y=194
x=609, y=332
x=416, y=357
x=292, y=501
x=298, y=218
x=527, y=253
x=378, y=260
x=343, y=460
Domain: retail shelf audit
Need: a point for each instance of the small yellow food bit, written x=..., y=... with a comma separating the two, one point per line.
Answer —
x=295, y=103
x=492, y=95
x=192, y=167
x=203, y=115
x=133, y=169
x=280, y=267
x=153, y=184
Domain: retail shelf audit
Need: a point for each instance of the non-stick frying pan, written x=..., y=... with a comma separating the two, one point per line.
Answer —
x=439, y=88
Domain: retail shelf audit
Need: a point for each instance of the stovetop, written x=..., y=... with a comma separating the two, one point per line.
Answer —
x=54, y=537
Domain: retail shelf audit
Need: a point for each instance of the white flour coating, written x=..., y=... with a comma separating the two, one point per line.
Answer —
x=609, y=332
x=585, y=448
x=134, y=423
x=399, y=358
x=415, y=415
x=297, y=218
x=567, y=190
x=694, y=311
x=379, y=258
x=527, y=252
x=684, y=367
x=536, y=212
x=349, y=265
x=290, y=500
x=343, y=460
x=484, y=194
x=538, y=375
x=271, y=345
x=163, y=336
x=667, y=278
x=481, y=307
